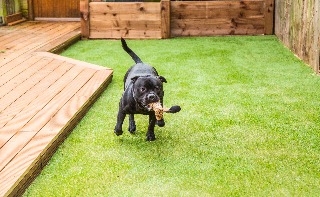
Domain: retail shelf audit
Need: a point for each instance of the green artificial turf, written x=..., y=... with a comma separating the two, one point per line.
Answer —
x=249, y=124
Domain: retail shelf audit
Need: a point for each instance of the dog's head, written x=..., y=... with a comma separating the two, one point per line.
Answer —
x=148, y=89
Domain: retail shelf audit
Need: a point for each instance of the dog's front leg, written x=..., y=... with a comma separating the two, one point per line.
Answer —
x=132, y=124
x=118, y=129
x=161, y=122
x=152, y=123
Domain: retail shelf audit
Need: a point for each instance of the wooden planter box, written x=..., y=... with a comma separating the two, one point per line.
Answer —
x=165, y=19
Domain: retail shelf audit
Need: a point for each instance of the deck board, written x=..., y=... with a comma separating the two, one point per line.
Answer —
x=42, y=97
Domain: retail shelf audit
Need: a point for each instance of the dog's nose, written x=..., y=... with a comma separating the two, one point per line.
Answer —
x=152, y=97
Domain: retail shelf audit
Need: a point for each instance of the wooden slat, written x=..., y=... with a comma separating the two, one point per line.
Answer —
x=126, y=33
x=114, y=8
x=125, y=16
x=125, y=24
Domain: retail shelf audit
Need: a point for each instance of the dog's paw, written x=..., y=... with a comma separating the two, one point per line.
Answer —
x=132, y=128
x=160, y=123
x=151, y=137
x=118, y=132
x=175, y=109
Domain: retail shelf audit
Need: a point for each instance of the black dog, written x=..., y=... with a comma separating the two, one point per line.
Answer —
x=142, y=86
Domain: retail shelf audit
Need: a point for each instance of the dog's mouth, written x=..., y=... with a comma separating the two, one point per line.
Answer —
x=147, y=106
x=145, y=101
x=144, y=105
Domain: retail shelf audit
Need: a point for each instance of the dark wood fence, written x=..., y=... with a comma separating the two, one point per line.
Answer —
x=297, y=24
x=55, y=8
x=167, y=18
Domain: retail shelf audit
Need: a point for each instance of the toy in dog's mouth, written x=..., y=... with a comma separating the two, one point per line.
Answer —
x=157, y=108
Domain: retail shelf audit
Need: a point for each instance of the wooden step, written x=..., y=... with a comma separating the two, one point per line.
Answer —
x=62, y=43
x=17, y=22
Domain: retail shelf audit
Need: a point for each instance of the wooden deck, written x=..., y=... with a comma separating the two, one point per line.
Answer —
x=42, y=97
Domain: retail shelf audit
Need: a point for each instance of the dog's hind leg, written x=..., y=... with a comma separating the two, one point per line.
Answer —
x=152, y=123
x=132, y=124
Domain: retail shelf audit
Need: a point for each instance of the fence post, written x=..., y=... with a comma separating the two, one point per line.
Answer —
x=268, y=17
x=30, y=10
x=317, y=36
x=165, y=18
x=85, y=22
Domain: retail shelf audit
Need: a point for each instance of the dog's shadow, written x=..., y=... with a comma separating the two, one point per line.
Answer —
x=163, y=134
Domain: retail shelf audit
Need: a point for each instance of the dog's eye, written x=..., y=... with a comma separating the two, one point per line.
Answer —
x=157, y=88
x=143, y=89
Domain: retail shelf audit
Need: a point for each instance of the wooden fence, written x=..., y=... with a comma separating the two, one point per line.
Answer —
x=167, y=18
x=297, y=24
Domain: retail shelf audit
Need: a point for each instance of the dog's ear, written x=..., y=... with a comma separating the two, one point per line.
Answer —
x=134, y=79
x=162, y=79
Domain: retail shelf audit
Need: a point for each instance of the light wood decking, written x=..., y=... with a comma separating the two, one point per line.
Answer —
x=42, y=97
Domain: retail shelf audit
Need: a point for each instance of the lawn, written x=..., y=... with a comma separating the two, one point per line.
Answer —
x=249, y=124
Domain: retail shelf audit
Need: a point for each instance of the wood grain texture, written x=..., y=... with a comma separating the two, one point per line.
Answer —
x=217, y=18
x=165, y=19
x=130, y=20
x=42, y=97
x=269, y=17
x=56, y=8
x=180, y=18
x=297, y=25
x=84, y=15
x=33, y=40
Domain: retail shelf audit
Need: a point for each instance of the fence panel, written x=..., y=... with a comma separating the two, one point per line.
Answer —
x=297, y=24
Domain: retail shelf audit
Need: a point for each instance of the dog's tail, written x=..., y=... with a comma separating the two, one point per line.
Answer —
x=130, y=52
